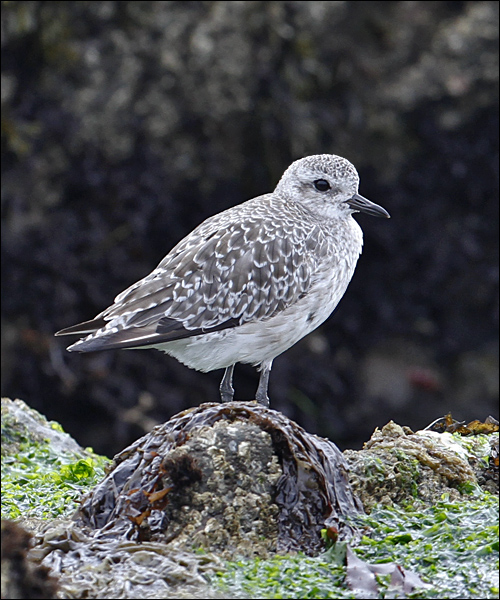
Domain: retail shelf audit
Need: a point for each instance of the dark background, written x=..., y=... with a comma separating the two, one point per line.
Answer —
x=125, y=124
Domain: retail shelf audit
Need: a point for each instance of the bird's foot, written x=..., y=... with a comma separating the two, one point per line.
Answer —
x=262, y=399
x=226, y=396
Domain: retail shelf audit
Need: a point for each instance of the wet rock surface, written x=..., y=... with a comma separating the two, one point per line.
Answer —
x=97, y=564
x=145, y=529
x=232, y=477
x=398, y=466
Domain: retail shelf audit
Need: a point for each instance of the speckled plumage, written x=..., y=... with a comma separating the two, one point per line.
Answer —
x=249, y=282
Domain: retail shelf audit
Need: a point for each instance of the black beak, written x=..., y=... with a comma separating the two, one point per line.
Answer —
x=364, y=205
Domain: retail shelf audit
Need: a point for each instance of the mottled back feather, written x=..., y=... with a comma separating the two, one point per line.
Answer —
x=241, y=265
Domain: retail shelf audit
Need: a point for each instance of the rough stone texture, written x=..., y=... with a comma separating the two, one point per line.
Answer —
x=235, y=478
x=21, y=423
x=127, y=123
x=398, y=466
x=211, y=499
x=232, y=510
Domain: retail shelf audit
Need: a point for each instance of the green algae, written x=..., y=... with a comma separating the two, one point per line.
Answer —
x=296, y=576
x=44, y=472
x=37, y=484
x=453, y=547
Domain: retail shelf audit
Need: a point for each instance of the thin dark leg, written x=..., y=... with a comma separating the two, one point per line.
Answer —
x=261, y=395
x=226, y=385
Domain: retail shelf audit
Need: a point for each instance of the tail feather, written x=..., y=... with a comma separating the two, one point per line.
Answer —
x=85, y=328
x=168, y=330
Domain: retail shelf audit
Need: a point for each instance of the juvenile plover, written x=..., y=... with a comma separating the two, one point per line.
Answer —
x=249, y=282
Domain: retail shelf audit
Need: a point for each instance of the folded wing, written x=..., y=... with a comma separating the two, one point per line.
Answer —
x=227, y=272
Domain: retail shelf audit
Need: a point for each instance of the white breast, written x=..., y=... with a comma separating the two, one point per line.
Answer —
x=261, y=341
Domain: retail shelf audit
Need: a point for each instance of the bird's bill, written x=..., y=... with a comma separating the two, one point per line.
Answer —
x=364, y=205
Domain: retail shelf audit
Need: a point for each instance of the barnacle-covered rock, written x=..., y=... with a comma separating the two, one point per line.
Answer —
x=233, y=477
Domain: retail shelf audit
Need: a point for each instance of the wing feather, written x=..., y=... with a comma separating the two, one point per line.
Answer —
x=244, y=264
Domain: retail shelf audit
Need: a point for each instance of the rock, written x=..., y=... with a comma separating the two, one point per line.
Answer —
x=232, y=478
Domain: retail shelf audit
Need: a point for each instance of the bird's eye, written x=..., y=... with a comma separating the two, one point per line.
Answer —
x=321, y=185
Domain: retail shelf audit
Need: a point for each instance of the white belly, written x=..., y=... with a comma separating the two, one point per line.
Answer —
x=261, y=341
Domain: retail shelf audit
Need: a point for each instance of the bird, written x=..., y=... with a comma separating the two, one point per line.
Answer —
x=249, y=282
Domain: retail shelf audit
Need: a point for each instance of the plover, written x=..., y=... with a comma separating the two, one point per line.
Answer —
x=249, y=282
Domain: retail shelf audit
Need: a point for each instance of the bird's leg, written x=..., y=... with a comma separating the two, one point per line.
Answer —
x=226, y=385
x=261, y=395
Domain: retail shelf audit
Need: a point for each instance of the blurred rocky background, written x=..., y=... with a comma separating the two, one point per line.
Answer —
x=125, y=124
